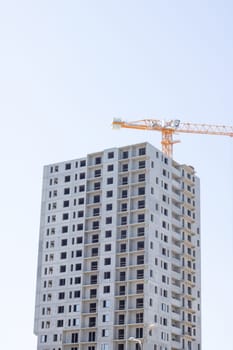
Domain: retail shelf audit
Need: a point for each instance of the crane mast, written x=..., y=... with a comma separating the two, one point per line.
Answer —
x=171, y=127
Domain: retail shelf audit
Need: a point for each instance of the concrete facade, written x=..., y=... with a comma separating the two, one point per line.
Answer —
x=119, y=253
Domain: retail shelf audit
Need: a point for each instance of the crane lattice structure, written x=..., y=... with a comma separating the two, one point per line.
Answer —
x=171, y=127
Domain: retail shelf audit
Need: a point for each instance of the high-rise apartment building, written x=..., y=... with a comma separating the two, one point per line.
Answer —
x=119, y=253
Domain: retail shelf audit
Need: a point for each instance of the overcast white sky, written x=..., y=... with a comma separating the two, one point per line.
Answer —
x=66, y=69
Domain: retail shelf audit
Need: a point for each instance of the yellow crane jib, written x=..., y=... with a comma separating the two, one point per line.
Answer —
x=168, y=128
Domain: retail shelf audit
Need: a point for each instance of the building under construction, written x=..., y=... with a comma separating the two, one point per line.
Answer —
x=119, y=253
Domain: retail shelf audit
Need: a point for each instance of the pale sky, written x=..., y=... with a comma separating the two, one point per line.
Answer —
x=67, y=68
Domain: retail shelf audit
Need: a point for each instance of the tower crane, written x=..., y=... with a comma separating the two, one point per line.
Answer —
x=171, y=127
